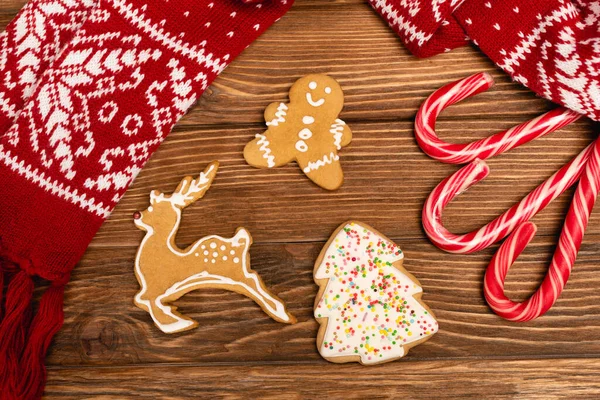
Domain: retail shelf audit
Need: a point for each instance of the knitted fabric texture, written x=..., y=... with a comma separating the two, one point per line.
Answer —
x=29, y=44
x=95, y=116
x=550, y=46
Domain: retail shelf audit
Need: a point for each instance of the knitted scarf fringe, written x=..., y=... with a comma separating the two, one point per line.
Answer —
x=24, y=338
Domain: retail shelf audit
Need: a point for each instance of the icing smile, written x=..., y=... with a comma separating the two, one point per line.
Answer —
x=313, y=103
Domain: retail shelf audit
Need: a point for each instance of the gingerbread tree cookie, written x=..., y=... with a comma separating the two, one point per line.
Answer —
x=306, y=130
x=368, y=305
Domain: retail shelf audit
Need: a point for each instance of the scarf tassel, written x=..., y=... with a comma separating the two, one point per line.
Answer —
x=3, y=273
x=13, y=329
x=24, y=341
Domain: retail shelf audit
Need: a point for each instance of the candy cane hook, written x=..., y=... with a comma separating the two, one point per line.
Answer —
x=564, y=256
x=482, y=149
x=503, y=225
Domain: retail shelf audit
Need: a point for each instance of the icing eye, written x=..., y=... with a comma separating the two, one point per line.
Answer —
x=313, y=85
x=328, y=90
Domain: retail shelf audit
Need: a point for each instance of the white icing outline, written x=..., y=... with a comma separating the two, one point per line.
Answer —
x=263, y=144
x=326, y=160
x=279, y=115
x=337, y=130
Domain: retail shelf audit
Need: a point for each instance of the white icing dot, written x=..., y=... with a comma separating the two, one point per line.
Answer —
x=213, y=245
x=203, y=247
x=213, y=261
x=197, y=255
x=312, y=85
x=150, y=208
x=215, y=254
x=223, y=247
x=205, y=252
x=308, y=120
x=206, y=260
x=305, y=134
x=328, y=90
x=301, y=146
x=232, y=252
x=236, y=260
x=224, y=258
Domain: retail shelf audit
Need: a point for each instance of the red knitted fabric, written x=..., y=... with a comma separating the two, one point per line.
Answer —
x=550, y=46
x=425, y=26
x=95, y=117
x=29, y=44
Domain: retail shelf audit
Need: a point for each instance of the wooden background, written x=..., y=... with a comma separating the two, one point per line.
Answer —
x=110, y=349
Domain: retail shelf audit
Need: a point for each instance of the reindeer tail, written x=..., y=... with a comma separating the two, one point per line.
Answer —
x=242, y=238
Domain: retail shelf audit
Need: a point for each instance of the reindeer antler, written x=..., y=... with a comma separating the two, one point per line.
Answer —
x=192, y=189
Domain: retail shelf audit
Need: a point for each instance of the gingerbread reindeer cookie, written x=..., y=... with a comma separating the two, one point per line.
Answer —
x=306, y=130
x=166, y=272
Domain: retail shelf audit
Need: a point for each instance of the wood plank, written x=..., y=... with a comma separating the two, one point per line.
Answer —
x=104, y=328
x=493, y=379
x=382, y=81
x=388, y=179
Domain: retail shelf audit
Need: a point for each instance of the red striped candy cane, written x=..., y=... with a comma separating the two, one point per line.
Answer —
x=482, y=149
x=503, y=225
x=564, y=256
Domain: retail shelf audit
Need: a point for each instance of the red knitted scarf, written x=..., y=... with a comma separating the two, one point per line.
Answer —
x=550, y=46
x=89, y=90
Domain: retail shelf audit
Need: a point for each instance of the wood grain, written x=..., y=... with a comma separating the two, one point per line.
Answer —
x=523, y=379
x=104, y=328
x=382, y=172
x=110, y=349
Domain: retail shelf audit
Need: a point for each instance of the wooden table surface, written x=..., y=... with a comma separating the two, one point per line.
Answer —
x=110, y=349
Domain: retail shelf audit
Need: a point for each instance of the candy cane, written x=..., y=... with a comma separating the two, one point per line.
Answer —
x=564, y=256
x=499, y=228
x=482, y=149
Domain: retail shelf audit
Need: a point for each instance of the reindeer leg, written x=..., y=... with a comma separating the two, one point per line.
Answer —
x=250, y=286
x=164, y=316
x=167, y=319
x=253, y=287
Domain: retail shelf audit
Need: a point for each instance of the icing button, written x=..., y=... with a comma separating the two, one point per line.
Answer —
x=305, y=134
x=308, y=120
x=301, y=146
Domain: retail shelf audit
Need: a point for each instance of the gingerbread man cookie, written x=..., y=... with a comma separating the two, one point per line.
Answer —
x=306, y=130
